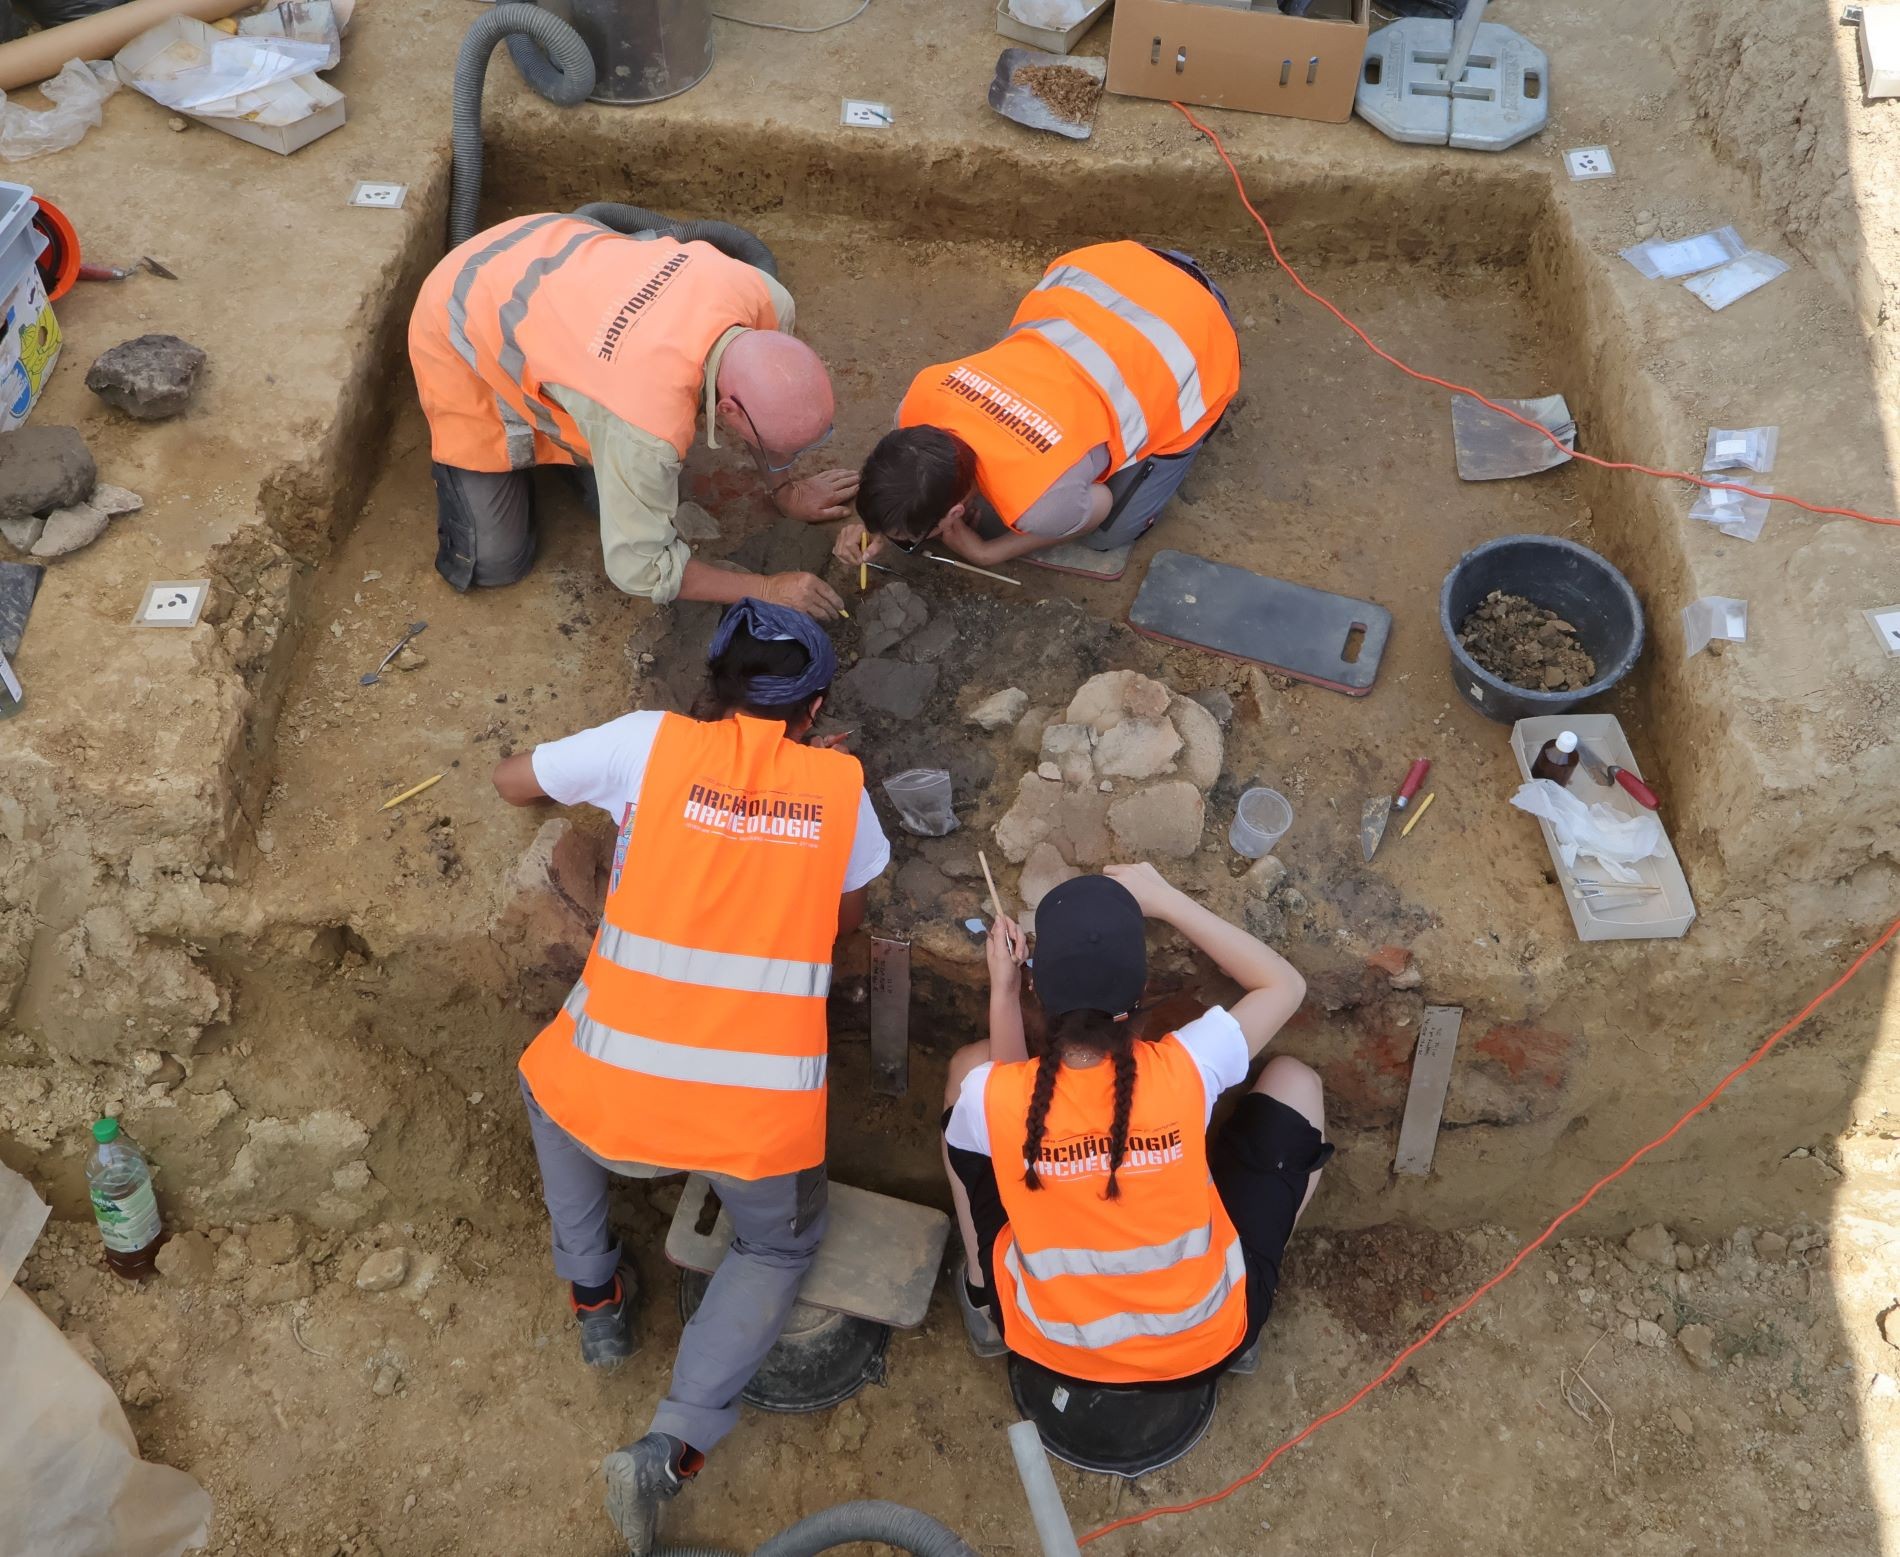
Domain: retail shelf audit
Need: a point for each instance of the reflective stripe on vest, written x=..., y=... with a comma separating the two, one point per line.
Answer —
x=1087, y=354
x=1113, y=1329
x=689, y=1062
x=1157, y=331
x=1047, y=1264
x=713, y=969
x=519, y=434
x=513, y=361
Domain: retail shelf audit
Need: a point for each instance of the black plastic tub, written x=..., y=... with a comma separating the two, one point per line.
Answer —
x=1561, y=576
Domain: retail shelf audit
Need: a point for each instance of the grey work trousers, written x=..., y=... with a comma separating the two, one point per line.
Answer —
x=486, y=529
x=777, y=1223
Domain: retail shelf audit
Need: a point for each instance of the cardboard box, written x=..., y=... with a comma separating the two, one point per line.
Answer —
x=29, y=346
x=1257, y=60
x=1880, y=50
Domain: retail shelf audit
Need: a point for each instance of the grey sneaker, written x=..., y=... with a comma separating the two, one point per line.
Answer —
x=607, y=1327
x=1249, y=1360
x=986, y=1340
x=639, y=1479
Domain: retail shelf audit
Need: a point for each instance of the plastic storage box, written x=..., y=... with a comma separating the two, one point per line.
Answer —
x=1664, y=915
x=1054, y=40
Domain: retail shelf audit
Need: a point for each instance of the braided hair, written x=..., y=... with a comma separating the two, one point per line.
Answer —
x=1083, y=1030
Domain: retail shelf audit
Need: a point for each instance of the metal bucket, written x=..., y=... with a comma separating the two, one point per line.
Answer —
x=644, y=50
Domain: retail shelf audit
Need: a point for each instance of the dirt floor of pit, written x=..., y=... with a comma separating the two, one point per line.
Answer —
x=453, y=1415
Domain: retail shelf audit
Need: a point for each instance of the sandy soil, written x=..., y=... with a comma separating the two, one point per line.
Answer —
x=191, y=860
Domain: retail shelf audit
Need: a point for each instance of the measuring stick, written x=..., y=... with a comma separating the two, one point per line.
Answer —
x=971, y=567
x=996, y=903
x=411, y=792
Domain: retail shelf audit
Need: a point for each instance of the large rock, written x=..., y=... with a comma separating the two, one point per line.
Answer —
x=69, y=529
x=43, y=468
x=891, y=686
x=1137, y=749
x=1105, y=700
x=1043, y=872
x=1201, y=744
x=1074, y=821
x=22, y=533
x=1164, y=820
x=1000, y=709
x=150, y=377
x=891, y=615
x=1070, y=748
x=1653, y=1245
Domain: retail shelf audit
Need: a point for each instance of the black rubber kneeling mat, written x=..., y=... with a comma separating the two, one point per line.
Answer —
x=1332, y=641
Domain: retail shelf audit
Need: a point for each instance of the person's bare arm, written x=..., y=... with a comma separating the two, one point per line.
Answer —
x=1274, y=987
x=802, y=591
x=850, y=912
x=515, y=781
x=1007, y=547
x=1005, y=953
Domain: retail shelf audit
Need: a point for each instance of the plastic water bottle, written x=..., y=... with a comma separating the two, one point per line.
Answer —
x=123, y=1202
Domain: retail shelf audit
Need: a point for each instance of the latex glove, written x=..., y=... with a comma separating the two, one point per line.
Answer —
x=804, y=592
x=827, y=495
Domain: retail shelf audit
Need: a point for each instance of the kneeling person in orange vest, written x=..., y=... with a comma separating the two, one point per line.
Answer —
x=695, y=1039
x=1080, y=424
x=1102, y=1237
x=552, y=340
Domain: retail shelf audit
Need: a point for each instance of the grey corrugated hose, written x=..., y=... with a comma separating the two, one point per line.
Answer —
x=736, y=241
x=881, y=1524
x=553, y=60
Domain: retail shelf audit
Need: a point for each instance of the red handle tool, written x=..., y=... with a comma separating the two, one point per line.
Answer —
x=1414, y=776
x=1637, y=790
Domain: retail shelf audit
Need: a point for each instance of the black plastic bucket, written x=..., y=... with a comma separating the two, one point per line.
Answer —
x=821, y=1358
x=1561, y=576
x=1114, y=1430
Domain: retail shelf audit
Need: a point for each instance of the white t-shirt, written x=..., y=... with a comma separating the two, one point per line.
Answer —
x=1213, y=1040
x=605, y=765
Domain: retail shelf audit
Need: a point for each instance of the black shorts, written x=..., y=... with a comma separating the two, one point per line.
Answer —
x=1262, y=1160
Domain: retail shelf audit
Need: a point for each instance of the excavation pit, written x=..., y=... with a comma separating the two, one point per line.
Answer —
x=207, y=875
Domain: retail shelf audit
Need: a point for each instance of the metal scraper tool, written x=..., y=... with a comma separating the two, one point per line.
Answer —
x=890, y=1016
x=1378, y=812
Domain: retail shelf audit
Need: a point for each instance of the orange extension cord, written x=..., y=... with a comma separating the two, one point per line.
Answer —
x=1760, y=1053
x=1522, y=1254
x=1428, y=378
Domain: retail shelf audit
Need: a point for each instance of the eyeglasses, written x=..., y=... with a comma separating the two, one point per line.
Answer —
x=757, y=446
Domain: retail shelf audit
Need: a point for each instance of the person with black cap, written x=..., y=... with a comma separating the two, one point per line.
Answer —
x=1103, y=1239
x=695, y=1039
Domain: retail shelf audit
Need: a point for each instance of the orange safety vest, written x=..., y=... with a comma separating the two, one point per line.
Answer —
x=1116, y=345
x=554, y=300
x=695, y=1038
x=1144, y=1288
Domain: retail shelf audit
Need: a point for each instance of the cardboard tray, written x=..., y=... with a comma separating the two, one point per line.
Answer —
x=1050, y=39
x=1664, y=915
x=1261, y=61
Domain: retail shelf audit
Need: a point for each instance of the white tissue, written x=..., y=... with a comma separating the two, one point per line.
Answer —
x=1606, y=835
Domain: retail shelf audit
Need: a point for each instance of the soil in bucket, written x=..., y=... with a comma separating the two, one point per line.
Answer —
x=1526, y=645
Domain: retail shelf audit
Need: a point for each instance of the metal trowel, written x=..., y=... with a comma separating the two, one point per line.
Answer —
x=1378, y=812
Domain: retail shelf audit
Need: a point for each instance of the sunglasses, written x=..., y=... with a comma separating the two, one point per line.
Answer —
x=763, y=460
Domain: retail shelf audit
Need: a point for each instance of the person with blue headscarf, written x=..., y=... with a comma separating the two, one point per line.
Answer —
x=695, y=1038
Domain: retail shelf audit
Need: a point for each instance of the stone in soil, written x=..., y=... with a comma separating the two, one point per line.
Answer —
x=1526, y=645
x=1043, y=872
x=1000, y=709
x=1201, y=744
x=1137, y=749
x=1104, y=701
x=150, y=377
x=889, y=616
x=1698, y=1345
x=891, y=686
x=1069, y=749
x=383, y=1270
x=42, y=468
x=1165, y=820
x=22, y=533
x=187, y=1257
x=70, y=529
x=1074, y=821
x=1218, y=703
x=1653, y=1245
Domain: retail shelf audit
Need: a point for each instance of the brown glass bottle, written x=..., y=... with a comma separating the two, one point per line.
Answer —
x=1558, y=759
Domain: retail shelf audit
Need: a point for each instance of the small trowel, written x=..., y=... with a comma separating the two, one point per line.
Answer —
x=1378, y=812
x=1608, y=773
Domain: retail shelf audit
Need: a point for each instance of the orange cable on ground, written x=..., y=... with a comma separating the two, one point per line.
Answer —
x=1428, y=378
x=1518, y=1259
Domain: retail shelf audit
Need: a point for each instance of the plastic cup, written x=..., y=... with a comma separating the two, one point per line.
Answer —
x=1261, y=820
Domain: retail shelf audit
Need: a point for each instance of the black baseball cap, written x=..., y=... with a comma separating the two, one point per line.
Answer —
x=1091, y=948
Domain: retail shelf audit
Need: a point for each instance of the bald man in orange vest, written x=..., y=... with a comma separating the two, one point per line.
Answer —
x=552, y=340
x=1079, y=425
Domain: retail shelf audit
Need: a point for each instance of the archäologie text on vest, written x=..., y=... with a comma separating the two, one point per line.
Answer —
x=627, y=315
x=1084, y=1156
x=777, y=818
x=1007, y=410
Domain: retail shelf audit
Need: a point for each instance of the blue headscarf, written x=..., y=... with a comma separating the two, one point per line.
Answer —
x=778, y=624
